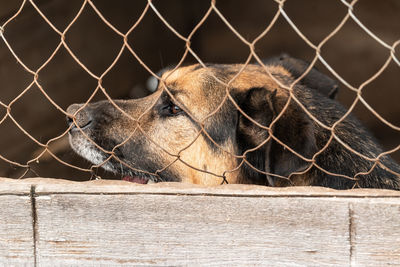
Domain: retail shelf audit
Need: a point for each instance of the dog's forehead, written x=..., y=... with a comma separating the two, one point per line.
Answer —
x=197, y=78
x=189, y=77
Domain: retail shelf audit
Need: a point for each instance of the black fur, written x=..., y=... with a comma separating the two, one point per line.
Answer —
x=299, y=132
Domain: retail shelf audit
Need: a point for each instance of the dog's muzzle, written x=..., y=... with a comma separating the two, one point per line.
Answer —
x=78, y=117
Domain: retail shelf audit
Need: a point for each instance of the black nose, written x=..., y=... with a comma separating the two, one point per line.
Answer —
x=83, y=118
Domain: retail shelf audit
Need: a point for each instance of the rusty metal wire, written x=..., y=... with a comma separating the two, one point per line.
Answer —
x=213, y=9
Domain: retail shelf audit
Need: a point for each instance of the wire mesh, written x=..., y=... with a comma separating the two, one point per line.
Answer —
x=47, y=148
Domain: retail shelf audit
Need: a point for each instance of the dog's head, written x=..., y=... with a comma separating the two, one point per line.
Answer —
x=202, y=125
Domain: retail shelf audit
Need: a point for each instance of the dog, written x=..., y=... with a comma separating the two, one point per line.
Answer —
x=248, y=124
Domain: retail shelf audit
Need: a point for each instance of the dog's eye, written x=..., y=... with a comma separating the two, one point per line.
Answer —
x=171, y=109
x=174, y=109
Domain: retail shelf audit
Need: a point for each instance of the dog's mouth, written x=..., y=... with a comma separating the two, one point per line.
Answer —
x=113, y=166
x=139, y=177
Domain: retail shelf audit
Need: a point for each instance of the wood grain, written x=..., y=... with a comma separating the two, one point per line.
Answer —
x=191, y=230
x=48, y=186
x=120, y=223
x=16, y=228
x=377, y=232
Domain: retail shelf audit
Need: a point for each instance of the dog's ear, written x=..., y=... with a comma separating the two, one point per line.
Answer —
x=314, y=79
x=293, y=128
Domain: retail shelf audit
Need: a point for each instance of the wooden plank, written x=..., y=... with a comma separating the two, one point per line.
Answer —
x=115, y=222
x=16, y=227
x=49, y=186
x=81, y=229
x=376, y=234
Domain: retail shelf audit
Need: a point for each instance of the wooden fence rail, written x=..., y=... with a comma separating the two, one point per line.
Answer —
x=47, y=222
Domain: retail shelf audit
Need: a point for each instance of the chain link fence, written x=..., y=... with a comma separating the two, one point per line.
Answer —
x=48, y=149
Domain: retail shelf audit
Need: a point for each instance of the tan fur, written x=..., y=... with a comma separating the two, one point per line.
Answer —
x=188, y=84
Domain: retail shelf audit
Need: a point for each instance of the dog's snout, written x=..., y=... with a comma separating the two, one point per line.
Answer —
x=82, y=117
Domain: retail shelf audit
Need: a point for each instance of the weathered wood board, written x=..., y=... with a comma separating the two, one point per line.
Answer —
x=120, y=223
x=189, y=230
x=376, y=224
x=16, y=225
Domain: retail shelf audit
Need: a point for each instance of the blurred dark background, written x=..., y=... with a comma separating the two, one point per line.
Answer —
x=352, y=53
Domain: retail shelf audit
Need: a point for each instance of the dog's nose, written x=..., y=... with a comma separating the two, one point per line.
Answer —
x=82, y=119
